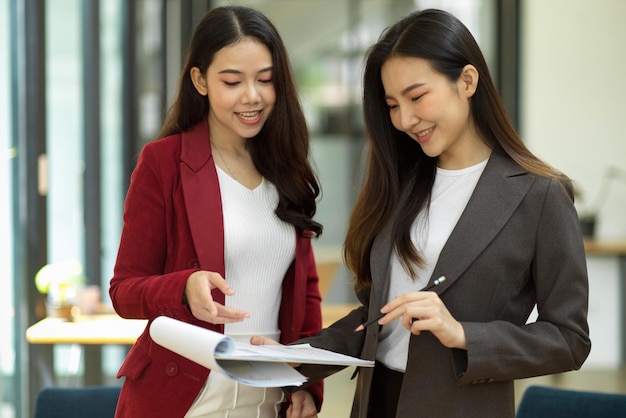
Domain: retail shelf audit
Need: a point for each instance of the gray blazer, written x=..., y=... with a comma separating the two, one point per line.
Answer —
x=517, y=243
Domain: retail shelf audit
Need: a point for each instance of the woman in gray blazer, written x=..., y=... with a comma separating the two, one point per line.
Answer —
x=451, y=191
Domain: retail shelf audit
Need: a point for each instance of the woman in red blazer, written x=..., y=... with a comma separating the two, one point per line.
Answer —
x=218, y=224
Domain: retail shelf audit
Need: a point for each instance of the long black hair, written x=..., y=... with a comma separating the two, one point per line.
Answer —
x=281, y=150
x=395, y=161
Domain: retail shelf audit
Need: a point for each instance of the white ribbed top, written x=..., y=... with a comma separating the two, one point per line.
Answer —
x=258, y=250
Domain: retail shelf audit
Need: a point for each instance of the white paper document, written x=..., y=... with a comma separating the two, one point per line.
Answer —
x=253, y=365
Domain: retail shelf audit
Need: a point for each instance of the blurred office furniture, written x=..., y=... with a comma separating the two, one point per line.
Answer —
x=328, y=259
x=606, y=262
x=108, y=328
x=97, y=329
x=550, y=402
x=91, y=402
x=84, y=331
x=589, y=214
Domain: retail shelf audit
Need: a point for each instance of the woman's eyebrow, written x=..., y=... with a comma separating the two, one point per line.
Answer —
x=233, y=71
x=407, y=89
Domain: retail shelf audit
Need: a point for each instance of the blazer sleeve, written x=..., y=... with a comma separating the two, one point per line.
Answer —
x=558, y=340
x=140, y=288
x=338, y=337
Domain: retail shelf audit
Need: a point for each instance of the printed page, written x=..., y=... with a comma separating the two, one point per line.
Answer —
x=261, y=373
x=301, y=353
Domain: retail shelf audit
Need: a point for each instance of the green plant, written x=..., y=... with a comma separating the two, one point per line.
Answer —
x=60, y=281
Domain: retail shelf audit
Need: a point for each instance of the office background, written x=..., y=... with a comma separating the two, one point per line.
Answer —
x=83, y=85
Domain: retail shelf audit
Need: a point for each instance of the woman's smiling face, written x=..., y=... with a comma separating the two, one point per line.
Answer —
x=240, y=89
x=430, y=108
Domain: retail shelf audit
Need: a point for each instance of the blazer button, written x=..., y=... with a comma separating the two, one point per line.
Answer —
x=171, y=369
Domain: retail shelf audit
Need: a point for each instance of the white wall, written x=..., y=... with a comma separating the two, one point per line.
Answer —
x=573, y=92
x=573, y=108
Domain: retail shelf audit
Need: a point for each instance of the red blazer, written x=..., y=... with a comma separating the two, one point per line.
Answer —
x=172, y=227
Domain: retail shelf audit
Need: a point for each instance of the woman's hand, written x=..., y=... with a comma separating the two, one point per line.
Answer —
x=425, y=311
x=198, y=295
x=260, y=340
x=302, y=405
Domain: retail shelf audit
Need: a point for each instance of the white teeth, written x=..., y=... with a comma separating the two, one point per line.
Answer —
x=424, y=133
x=249, y=115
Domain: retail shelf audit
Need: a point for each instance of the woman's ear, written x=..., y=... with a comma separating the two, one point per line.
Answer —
x=469, y=80
x=198, y=80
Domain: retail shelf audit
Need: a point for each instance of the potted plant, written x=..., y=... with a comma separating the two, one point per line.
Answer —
x=60, y=283
x=588, y=213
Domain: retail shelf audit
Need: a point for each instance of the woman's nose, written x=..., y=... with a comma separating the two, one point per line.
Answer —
x=408, y=119
x=251, y=95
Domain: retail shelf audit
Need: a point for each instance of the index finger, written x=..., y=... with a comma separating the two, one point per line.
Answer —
x=398, y=305
x=405, y=298
x=218, y=282
x=391, y=314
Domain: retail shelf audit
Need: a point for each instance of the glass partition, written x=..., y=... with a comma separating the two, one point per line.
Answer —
x=7, y=159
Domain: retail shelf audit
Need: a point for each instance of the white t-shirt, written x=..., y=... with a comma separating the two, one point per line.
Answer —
x=451, y=192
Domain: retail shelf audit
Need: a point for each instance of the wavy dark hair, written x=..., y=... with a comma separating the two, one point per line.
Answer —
x=281, y=149
x=396, y=162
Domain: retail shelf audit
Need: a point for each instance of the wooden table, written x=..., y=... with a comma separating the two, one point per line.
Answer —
x=101, y=329
x=92, y=331
x=106, y=329
x=605, y=247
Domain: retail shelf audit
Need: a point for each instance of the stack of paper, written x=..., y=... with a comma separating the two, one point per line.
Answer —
x=253, y=365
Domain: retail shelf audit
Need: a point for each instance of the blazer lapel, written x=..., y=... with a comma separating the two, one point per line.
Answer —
x=498, y=193
x=202, y=197
x=379, y=265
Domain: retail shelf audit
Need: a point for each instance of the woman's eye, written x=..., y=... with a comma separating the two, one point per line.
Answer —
x=231, y=83
x=416, y=98
x=266, y=81
x=392, y=106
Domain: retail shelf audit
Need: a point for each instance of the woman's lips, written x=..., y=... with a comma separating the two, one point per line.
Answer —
x=425, y=135
x=249, y=118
